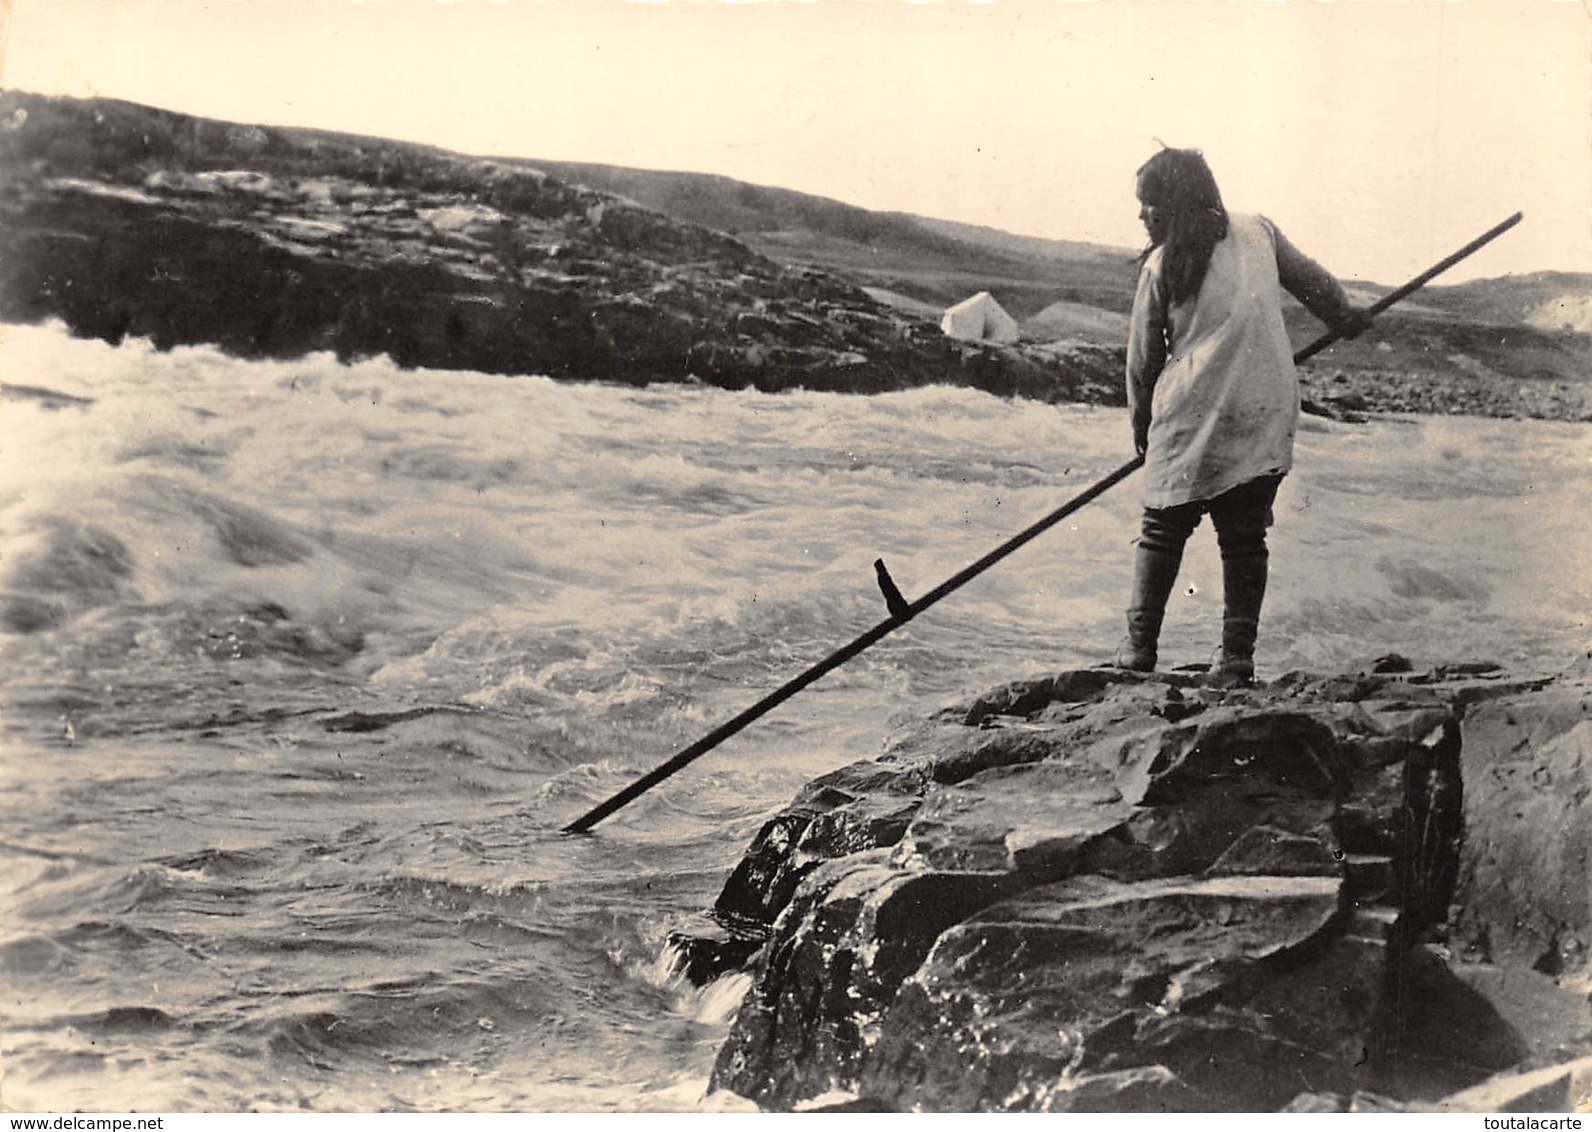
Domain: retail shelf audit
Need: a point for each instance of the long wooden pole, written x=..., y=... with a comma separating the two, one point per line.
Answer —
x=901, y=611
x=840, y=656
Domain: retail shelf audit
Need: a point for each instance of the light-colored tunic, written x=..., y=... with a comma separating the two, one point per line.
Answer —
x=1216, y=374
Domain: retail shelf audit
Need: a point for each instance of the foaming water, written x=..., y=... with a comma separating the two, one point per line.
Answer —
x=307, y=663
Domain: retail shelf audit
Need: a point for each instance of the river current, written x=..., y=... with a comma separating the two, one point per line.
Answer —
x=305, y=664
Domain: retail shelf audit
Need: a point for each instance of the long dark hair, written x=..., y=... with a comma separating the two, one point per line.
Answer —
x=1181, y=187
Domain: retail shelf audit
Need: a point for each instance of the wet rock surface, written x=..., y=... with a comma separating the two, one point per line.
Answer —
x=1106, y=891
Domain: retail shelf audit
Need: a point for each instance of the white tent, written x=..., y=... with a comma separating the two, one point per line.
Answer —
x=980, y=319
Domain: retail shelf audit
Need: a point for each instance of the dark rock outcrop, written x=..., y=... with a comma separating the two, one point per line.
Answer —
x=1112, y=892
x=123, y=220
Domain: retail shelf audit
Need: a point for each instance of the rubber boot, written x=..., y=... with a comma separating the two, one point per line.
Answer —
x=1154, y=574
x=1243, y=593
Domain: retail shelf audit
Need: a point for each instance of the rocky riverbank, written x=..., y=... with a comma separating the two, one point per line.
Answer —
x=1448, y=390
x=1110, y=892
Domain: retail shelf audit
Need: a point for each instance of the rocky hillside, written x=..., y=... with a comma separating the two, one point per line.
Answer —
x=1102, y=891
x=933, y=262
x=123, y=220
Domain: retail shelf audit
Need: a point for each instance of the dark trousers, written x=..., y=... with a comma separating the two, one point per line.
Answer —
x=1241, y=517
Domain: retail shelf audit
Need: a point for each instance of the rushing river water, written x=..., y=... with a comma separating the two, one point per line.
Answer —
x=305, y=664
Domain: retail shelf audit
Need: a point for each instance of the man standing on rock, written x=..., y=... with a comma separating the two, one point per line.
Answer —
x=1212, y=394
